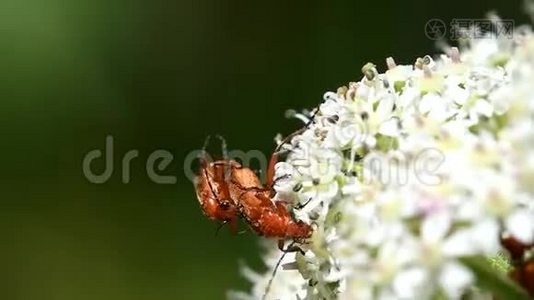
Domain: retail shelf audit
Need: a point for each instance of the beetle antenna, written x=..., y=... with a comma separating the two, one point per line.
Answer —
x=210, y=185
x=268, y=287
x=274, y=156
x=203, y=156
x=290, y=136
x=219, y=226
x=223, y=146
x=206, y=142
x=224, y=150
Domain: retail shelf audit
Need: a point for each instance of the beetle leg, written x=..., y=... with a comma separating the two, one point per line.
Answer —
x=292, y=247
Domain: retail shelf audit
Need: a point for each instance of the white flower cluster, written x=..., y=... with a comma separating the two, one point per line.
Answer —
x=406, y=172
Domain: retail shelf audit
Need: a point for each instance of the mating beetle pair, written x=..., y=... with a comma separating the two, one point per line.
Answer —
x=226, y=190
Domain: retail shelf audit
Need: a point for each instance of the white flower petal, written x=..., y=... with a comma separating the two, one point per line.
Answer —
x=454, y=279
x=520, y=224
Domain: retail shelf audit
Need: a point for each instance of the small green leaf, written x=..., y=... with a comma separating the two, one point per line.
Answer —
x=492, y=280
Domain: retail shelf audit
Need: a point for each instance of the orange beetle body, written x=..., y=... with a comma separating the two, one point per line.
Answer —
x=213, y=194
x=266, y=217
x=225, y=189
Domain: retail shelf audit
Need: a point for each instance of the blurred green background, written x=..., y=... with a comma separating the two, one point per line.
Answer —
x=163, y=75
